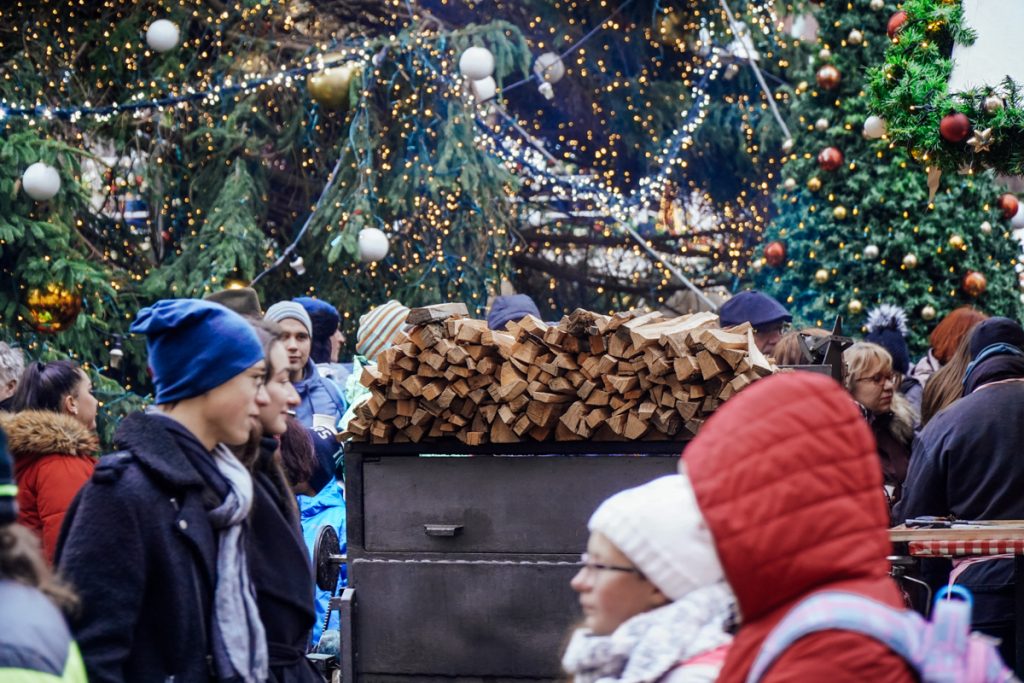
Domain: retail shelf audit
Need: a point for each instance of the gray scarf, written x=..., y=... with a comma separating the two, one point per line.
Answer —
x=239, y=640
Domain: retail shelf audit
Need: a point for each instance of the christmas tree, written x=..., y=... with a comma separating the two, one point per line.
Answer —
x=359, y=151
x=861, y=221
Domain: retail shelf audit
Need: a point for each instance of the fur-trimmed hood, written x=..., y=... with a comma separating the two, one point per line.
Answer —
x=903, y=419
x=34, y=433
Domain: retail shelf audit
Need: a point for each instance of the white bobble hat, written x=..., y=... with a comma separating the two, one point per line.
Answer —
x=660, y=528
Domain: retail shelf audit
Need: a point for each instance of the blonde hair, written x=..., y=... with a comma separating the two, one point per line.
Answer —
x=864, y=355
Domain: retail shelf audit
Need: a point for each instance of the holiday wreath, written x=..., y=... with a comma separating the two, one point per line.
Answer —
x=944, y=124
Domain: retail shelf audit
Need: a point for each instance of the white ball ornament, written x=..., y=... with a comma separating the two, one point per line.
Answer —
x=549, y=67
x=373, y=245
x=871, y=252
x=485, y=89
x=162, y=35
x=986, y=227
x=878, y=5
x=1017, y=222
x=855, y=37
x=874, y=127
x=789, y=184
x=41, y=181
x=821, y=125
x=476, y=63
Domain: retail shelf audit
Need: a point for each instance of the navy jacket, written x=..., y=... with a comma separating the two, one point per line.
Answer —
x=967, y=462
x=138, y=547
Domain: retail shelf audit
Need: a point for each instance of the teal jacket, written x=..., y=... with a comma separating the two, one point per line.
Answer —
x=35, y=643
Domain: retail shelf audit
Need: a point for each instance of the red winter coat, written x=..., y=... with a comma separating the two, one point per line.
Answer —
x=789, y=482
x=53, y=458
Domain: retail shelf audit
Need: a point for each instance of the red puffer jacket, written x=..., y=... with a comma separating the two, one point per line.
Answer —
x=53, y=458
x=788, y=479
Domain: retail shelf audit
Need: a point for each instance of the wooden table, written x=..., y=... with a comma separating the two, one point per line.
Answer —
x=973, y=539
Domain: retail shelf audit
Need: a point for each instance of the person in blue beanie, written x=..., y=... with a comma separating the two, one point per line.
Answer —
x=887, y=327
x=327, y=340
x=507, y=309
x=322, y=401
x=768, y=317
x=155, y=543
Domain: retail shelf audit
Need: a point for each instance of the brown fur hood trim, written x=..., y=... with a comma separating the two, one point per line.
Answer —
x=904, y=417
x=33, y=433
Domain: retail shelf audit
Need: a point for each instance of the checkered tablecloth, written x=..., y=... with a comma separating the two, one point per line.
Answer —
x=965, y=548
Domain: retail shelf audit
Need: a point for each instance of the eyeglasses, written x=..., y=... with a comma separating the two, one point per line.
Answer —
x=598, y=567
x=882, y=378
x=781, y=328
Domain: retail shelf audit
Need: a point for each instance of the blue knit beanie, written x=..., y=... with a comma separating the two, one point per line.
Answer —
x=753, y=307
x=325, y=321
x=506, y=309
x=8, y=490
x=195, y=346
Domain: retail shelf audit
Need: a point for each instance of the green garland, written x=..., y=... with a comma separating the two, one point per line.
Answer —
x=910, y=92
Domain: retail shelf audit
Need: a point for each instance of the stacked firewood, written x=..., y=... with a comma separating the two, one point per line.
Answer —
x=625, y=377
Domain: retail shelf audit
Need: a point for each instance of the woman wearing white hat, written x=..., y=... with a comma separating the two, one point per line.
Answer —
x=655, y=603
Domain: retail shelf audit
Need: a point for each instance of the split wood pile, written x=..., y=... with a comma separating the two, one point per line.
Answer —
x=629, y=376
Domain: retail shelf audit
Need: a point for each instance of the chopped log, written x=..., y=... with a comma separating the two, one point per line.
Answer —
x=635, y=427
x=543, y=414
x=714, y=340
x=436, y=313
x=598, y=397
x=758, y=362
x=710, y=365
x=425, y=336
x=502, y=433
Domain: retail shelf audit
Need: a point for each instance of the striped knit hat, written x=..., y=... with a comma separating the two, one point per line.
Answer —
x=378, y=327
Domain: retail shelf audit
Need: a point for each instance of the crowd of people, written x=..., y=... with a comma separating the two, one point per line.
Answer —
x=185, y=554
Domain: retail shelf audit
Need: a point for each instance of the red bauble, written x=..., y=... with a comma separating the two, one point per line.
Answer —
x=1009, y=205
x=955, y=127
x=828, y=77
x=975, y=283
x=775, y=254
x=830, y=159
x=896, y=22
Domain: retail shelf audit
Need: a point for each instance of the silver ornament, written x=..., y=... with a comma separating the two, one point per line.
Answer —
x=855, y=37
x=821, y=125
x=877, y=5
x=993, y=103
x=871, y=252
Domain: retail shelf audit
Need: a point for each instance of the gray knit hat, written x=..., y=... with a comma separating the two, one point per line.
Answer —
x=284, y=310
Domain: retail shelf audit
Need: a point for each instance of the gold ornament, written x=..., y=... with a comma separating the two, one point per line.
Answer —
x=910, y=261
x=956, y=241
x=993, y=103
x=802, y=87
x=330, y=87
x=821, y=277
x=52, y=308
x=855, y=306
x=928, y=313
x=981, y=141
x=855, y=37
x=814, y=184
x=839, y=213
x=824, y=54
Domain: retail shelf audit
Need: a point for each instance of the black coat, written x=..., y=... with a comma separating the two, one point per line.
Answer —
x=138, y=547
x=967, y=462
x=281, y=574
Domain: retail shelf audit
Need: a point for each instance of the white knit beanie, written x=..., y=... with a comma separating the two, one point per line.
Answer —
x=660, y=528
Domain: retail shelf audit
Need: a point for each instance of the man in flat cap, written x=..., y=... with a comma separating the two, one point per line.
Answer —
x=767, y=316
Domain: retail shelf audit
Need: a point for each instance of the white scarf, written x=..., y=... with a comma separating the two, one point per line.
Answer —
x=240, y=641
x=650, y=645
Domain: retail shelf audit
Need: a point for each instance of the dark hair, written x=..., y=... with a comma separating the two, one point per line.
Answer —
x=44, y=386
x=21, y=560
x=297, y=453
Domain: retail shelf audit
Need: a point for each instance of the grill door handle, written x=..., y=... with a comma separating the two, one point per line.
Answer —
x=448, y=530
